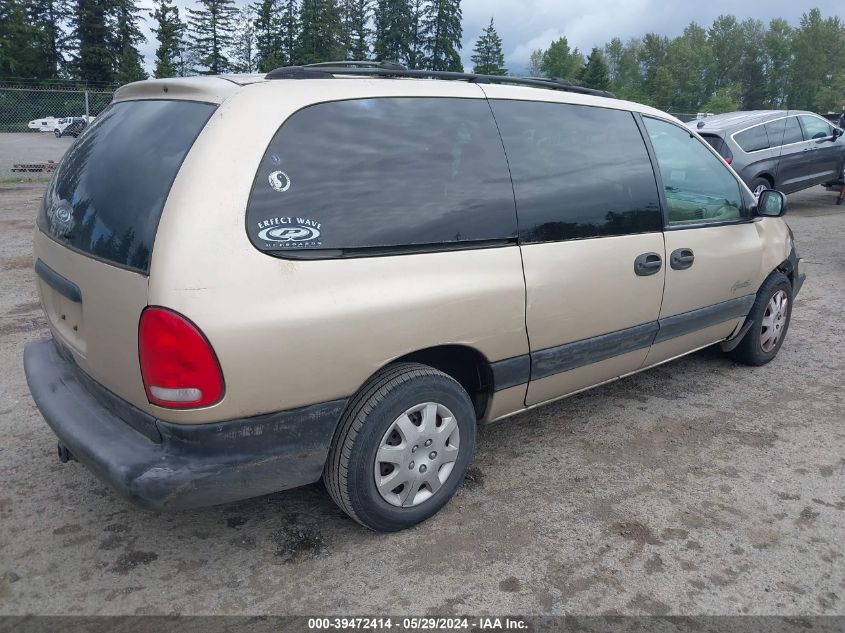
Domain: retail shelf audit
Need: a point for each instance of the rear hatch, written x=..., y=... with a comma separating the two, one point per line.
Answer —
x=96, y=231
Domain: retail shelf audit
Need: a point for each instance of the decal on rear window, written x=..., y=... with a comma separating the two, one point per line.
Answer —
x=383, y=173
x=289, y=232
x=279, y=181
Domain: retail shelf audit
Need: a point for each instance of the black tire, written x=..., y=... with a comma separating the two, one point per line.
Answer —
x=57, y=133
x=750, y=351
x=349, y=472
x=757, y=182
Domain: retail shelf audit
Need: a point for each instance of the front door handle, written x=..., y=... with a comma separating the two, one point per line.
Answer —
x=648, y=264
x=681, y=259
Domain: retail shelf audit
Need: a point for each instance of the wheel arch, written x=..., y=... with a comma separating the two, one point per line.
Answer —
x=765, y=175
x=468, y=366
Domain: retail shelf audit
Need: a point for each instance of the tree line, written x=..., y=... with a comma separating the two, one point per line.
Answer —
x=98, y=40
x=732, y=64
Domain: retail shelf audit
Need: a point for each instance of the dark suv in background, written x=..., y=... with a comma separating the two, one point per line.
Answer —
x=788, y=150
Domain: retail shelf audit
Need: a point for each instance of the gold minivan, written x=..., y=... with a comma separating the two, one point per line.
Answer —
x=340, y=271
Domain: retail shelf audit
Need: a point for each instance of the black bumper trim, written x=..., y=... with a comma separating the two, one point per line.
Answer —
x=193, y=465
x=511, y=372
x=694, y=320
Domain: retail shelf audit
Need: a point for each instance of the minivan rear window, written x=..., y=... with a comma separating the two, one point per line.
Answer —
x=365, y=176
x=107, y=195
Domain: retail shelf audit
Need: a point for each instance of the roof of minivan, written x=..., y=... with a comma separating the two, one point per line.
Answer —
x=217, y=88
x=734, y=120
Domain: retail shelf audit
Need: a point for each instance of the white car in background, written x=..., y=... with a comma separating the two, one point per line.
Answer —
x=47, y=124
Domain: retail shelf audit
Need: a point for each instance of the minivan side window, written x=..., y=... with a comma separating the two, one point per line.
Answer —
x=814, y=127
x=784, y=131
x=578, y=171
x=356, y=177
x=699, y=186
x=753, y=139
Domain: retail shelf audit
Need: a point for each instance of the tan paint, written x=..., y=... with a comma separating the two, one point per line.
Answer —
x=574, y=380
x=584, y=288
x=105, y=341
x=678, y=346
x=291, y=333
x=505, y=402
x=727, y=266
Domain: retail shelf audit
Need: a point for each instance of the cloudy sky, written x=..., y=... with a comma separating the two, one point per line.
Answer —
x=525, y=25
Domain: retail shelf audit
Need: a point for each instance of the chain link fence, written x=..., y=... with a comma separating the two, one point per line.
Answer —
x=36, y=124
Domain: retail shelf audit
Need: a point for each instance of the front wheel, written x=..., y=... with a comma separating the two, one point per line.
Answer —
x=57, y=133
x=771, y=314
x=402, y=447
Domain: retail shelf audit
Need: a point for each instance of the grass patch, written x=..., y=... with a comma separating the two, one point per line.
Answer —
x=15, y=180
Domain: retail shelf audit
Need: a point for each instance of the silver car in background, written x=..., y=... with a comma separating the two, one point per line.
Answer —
x=787, y=150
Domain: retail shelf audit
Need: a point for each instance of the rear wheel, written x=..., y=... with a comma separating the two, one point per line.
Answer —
x=771, y=314
x=402, y=447
x=57, y=133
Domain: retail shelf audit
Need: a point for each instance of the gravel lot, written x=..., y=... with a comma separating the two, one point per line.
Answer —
x=697, y=487
x=28, y=147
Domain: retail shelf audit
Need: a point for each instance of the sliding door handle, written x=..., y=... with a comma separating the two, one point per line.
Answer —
x=681, y=259
x=648, y=264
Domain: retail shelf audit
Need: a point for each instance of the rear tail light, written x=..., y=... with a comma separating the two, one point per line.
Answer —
x=178, y=364
x=728, y=159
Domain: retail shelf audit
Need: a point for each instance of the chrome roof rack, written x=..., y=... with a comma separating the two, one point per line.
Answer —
x=368, y=68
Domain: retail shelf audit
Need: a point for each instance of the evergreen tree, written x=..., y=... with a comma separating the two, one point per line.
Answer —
x=211, y=29
x=418, y=36
x=393, y=26
x=487, y=56
x=443, y=25
x=127, y=38
x=320, y=32
x=355, y=19
x=560, y=62
x=289, y=29
x=188, y=58
x=47, y=18
x=269, y=36
x=16, y=36
x=92, y=35
x=244, y=47
x=595, y=73
x=168, y=30
x=23, y=45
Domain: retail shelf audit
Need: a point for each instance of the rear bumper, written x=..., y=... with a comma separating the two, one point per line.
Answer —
x=166, y=466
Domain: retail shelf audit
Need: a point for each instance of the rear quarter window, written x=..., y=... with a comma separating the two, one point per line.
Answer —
x=106, y=197
x=360, y=176
x=753, y=139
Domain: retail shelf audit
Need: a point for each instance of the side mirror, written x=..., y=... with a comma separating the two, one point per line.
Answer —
x=771, y=204
x=837, y=132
